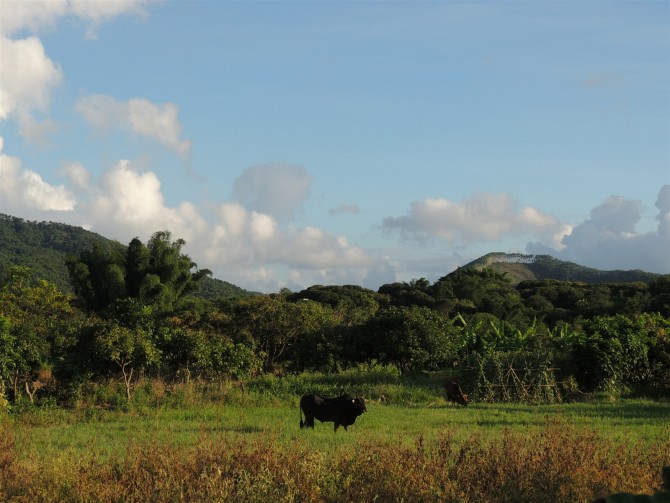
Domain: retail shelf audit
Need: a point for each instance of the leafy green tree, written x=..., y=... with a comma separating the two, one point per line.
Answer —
x=317, y=345
x=352, y=304
x=8, y=358
x=130, y=350
x=138, y=258
x=613, y=351
x=658, y=328
x=157, y=274
x=97, y=276
x=266, y=320
x=415, y=293
x=277, y=327
x=660, y=292
x=43, y=325
x=205, y=353
x=468, y=291
x=231, y=360
x=409, y=337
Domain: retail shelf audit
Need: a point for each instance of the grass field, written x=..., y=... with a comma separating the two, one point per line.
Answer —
x=400, y=452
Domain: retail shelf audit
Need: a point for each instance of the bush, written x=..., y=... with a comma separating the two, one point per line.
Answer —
x=620, y=353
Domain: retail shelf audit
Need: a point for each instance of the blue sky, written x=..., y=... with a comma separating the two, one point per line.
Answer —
x=297, y=143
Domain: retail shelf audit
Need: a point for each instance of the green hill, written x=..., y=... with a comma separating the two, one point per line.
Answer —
x=44, y=246
x=520, y=267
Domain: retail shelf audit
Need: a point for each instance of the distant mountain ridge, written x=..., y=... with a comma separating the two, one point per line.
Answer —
x=44, y=246
x=520, y=267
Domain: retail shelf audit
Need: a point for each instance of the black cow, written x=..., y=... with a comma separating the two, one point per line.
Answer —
x=342, y=410
x=455, y=393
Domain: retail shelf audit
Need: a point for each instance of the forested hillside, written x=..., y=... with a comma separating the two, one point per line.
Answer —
x=44, y=247
x=135, y=312
x=520, y=267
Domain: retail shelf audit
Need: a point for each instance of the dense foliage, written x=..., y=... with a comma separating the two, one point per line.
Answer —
x=45, y=247
x=135, y=314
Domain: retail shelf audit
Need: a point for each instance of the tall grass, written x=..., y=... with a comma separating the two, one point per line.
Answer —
x=558, y=463
x=234, y=442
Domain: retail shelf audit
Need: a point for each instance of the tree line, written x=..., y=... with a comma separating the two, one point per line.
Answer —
x=135, y=313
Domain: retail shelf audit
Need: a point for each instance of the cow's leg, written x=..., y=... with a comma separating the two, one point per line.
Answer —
x=308, y=423
x=337, y=425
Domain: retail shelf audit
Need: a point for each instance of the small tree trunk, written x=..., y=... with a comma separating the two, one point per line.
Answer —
x=15, y=384
x=31, y=389
x=127, y=378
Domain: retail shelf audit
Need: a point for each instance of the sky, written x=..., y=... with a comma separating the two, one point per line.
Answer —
x=296, y=143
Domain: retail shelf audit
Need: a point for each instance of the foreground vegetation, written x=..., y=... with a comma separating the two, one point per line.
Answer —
x=135, y=315
x=196, y=444
x=135, y=389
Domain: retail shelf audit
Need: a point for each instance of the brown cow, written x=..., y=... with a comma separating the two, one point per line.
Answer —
x=455, y=393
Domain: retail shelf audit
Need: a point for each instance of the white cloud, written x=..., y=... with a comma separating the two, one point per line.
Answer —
x=97, y=12
x=274, y=189
x=39, y=15
x=78, y=175
x=32, y=16
x=248, y=237
x=23, y=191
x=241, y=245
x=28, y=74
x=28, y=77
x=608, y=239
x=136, y=116
x=129, y=203
x=313, y=248
x=483, y=217
x=344, y=208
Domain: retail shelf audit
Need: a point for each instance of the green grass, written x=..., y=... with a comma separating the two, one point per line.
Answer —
x=228, y=444
x=46, y=434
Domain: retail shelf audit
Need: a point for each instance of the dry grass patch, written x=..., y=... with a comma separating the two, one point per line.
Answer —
x=559, y=463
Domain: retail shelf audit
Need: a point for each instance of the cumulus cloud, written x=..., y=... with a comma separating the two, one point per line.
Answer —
x=245, y=246
x=28, y=77
x=247, y=236
x=128, y=203
x=251, y=247
x=38, y=15
x=78, y=175
x=483, y=217
x=28, y=74
x=274, y=189
x=344, y=208
x=23, y=191
x=136, y=116
x=608, y=239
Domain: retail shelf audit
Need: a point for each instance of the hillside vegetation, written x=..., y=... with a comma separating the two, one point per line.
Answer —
x=519, y=267
x=136, y=311
x=45, y=246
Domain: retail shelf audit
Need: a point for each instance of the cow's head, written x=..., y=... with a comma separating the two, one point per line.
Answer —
x=464, y=399
x=359, y=405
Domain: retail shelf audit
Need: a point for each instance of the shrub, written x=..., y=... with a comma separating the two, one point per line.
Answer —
x=618, y=353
